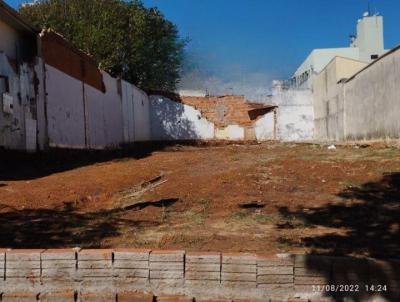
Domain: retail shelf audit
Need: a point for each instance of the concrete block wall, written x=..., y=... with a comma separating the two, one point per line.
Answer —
x=61, y=275
x=58, y=264
x=131, y=264
x=2, y=266
x=275, y=274
x=23, y=265
x=167, y=267
x=203, y=268
x=239, y=270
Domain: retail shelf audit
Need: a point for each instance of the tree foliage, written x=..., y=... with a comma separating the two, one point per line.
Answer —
x=129, y=41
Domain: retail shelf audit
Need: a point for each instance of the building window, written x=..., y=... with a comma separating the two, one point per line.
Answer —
x=374, y=57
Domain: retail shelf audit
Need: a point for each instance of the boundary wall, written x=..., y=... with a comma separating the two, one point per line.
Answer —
x=209, y=118
x=110, y=275
x=356, y=101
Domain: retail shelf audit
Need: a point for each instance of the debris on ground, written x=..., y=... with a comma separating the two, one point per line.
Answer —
x=332, y=147
x=132, y=196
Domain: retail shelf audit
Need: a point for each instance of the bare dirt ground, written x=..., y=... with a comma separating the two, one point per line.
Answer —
x=269, y=198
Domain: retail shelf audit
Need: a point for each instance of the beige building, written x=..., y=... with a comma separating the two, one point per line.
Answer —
x=366, y=45
x=328, y=97
x=354, y=101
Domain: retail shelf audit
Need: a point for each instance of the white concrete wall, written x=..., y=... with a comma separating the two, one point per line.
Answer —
x=231, y=132
x=295, y=115
x=65, y=110
x=127, y=112
x=136, y=114
x=104, y=115
x=265, y=127
x=81, y=116
x=42, y=132
x=141, y=115
x=175, y=121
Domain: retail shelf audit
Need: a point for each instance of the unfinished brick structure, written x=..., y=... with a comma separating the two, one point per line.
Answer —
x=229, y=117
x=228, y=109
x=132, y=274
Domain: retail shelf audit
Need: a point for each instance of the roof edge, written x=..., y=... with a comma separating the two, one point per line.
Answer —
x=15, y=15
x=394, y=49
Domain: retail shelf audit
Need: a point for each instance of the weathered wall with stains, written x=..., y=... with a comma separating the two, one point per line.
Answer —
x=127, y=111
x=329, y=97
x=265, y=127
x=104, y=122
x=171, y=120
x=65, y=101
x=54, y=109
x=372, y=100
x=81, y=116
x=18, y=102
x=87, y=108
x=227, y=110
x=230, y=132
x=295, y=114
x=367, y=106
x=141, y=118
x=65, y=110
x=135, y=109
x=42, y=125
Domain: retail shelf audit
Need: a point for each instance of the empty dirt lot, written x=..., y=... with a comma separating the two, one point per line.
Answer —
x=270, y=197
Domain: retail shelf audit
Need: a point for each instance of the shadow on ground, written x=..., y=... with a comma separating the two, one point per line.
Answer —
x=66, y=227
x=16, y=165
x=369, y=218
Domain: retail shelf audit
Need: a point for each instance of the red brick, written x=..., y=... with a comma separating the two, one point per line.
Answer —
x=234, y=107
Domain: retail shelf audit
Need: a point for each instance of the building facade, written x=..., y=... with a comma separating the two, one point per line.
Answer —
x=367, y=45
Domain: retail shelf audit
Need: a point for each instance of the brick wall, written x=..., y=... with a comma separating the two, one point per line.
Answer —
x=227, y=110
x=117, y=275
